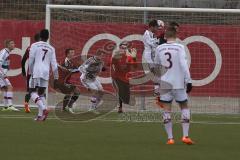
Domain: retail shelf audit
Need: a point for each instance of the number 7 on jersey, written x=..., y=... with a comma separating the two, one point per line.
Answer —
x=44, y=54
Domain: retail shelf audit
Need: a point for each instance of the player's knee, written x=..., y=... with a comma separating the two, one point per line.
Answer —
x=166, y=117
x=94, y=99
x=185, y=115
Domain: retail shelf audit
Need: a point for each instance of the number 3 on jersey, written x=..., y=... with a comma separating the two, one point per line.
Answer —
x=44, y=53
x=169, y=59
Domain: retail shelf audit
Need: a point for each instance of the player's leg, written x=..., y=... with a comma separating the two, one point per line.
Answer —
x=66, y=99
x=42, y=96
x=8, y=95
x=123, y=91
x=181, y=97
x=97, y=90
x=166, y=101
x=27, y=96
x=73, y=98
x=33, y=89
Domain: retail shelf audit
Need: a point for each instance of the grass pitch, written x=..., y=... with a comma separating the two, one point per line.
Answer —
x=216, y=137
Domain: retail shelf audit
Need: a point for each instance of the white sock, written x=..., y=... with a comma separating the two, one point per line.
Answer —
x=36, y=99
x=168, y=124
x=94, y=102
x=44, y=101
x=185, y=121
x=5, y=99
x=9, y=95
x=168, y=128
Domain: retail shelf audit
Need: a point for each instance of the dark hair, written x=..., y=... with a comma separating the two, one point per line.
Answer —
x=44, y=34
x=7, y=41
x=153, y=23
x=68, y=50
x=171, y=32
x=37, y=37
x=173, y=24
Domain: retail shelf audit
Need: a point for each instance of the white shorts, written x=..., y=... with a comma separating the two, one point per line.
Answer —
x=179, y=95
x=4, y=82
x=38, y=82
x=92, y=84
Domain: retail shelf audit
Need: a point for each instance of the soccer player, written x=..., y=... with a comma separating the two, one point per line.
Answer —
x=5, y=84
x=65, y=86
x=163, y=40
x=122, y=61
x=41, y=56
x=150, y=43
x=90, y=69
x=175, y=83
x=27, y=75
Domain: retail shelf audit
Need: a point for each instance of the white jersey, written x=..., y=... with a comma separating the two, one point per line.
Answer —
x=150, y=44
x=91, y=68
x=172, y=56
x=4, y=60
x=41, y=56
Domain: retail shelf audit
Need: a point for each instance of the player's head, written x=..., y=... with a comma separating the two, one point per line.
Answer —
x=37, y=37
x=69, y=52
x=9, y=43
x=44, y=35
x=171, y=33
x=153, y=25
x=125, y=45
x=174, y=25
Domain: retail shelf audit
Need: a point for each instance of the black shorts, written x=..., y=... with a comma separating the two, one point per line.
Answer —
x=65, y=88
x=123, y=90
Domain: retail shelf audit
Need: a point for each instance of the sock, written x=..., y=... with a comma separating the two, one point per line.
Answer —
x=5, y=99
x=168, y=124
x=27, y=97
x=42, y=97
x=72, y=100
x=66, y=101
x=36, y=99
x=120, y=103
x=94, y=102
x=9, y=95
x=185, y=116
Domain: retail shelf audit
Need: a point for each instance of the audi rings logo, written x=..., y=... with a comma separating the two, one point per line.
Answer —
x=148, y=76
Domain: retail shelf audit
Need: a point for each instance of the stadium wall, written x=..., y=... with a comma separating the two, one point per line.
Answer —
x=77, y=35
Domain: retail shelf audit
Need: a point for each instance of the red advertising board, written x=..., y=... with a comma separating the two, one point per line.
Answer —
x=214, y=50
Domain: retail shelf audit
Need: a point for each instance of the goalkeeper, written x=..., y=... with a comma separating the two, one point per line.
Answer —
x=122, y=61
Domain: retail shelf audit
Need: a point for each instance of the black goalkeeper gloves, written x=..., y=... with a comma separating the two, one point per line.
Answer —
x=189, y=87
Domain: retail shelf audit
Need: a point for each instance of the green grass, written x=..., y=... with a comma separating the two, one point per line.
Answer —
x=24, y=139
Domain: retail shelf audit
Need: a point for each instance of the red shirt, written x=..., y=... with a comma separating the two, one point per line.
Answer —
x=120, y=67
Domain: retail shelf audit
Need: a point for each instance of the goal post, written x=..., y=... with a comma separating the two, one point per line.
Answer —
x=210, y=37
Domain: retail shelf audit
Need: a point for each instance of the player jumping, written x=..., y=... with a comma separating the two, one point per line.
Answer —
x=151, y=41
x=175, y=83
x=41, y=56
x=27, y=75
x=90, y=69
x=5, y=84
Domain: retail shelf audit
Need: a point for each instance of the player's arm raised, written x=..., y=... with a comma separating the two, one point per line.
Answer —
x=184, y=65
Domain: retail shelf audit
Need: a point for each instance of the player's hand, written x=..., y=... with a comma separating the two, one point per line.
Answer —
x=189, y=87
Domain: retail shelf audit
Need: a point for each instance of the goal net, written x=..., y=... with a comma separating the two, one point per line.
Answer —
x=211, y=37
